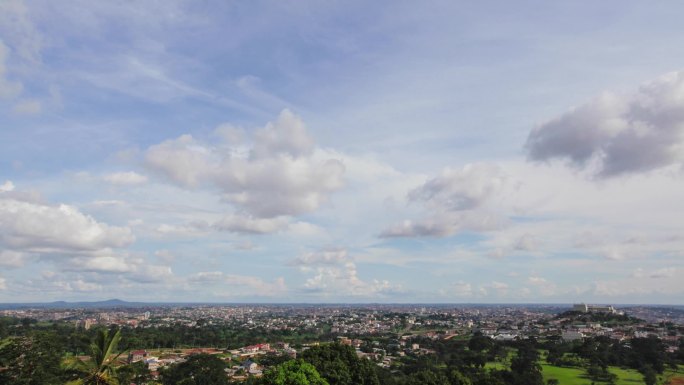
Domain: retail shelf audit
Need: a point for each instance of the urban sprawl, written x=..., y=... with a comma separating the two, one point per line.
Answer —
x=381, y=333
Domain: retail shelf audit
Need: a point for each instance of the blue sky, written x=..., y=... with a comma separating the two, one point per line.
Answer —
x=341, y=151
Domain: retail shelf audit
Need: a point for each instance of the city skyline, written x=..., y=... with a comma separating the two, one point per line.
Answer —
x=341, y=152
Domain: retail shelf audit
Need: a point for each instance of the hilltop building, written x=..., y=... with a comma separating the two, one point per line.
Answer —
x=584, y=308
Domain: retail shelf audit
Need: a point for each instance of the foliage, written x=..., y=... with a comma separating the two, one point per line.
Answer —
x=271, y=359
x=136, y=373
x=99, y=369
x=339, y=365
x=296, y=372
x=427, y=377
x=199, y=369
x=525, y=365
x=31, y=360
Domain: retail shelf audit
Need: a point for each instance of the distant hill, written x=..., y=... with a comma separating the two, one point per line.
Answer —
x=110, y=303
x=576, y=316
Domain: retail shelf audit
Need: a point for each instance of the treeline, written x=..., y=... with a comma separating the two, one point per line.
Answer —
x=219, y=336
x=77, y=340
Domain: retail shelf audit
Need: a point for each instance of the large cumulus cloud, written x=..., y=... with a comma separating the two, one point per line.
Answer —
x=276, y=173
x=43, y=228
x=617, y=134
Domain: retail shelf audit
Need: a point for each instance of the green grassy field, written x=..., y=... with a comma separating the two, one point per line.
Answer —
x=578, y=376
x=565, y=376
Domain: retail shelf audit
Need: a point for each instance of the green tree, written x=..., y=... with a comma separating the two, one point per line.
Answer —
x=525, y=366
x=457, y=378
x=480, y=342
x=650, y=377
x=99, y=369
x=136, y=373
x=31, y=360
x=199, y=369
x=295, y=372
x=340, y=365
x=427, y=377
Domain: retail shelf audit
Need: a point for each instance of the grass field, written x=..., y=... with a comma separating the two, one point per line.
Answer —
x=578, y=376
x=565, y=376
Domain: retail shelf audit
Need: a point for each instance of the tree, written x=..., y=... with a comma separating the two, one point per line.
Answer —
x=99, y=369
x=295, y=372
x=31, y=360
x=136, y=373
x=457, y=378
x=340, y=365
x=650, y=377
x=427, y=377
x=200, y=369
x=480, y=342
x=526, y=370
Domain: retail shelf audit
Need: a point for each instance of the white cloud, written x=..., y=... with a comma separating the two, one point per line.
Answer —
x=189, y=229
x=665, y=272
x=460, y=289
x=80, y=285
x=460, y=189
x=335, y=274
x=148, y=273
x=279, y=175
x=533, y=280
x=55, y=229
x=544, y=286
x=456, y=201
x=9, y=258
x=103, y=264
x=618, y=134
x=7, y=186
x=125, y=178
x=59, y=284
x=240, y=285
x=251, y=225
x=17, y=28
x=324, y=257
x=3, y=283
x=182, y=160
x=287, y=136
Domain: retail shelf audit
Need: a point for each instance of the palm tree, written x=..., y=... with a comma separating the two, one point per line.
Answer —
x=99, y=370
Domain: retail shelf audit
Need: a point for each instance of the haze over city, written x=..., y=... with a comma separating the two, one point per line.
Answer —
x=356, y=152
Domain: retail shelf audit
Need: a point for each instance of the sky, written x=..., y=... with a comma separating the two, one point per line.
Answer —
x=342, y=151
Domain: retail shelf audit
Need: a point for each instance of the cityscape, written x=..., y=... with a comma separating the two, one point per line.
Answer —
x=388, y=335
x=306, y=192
